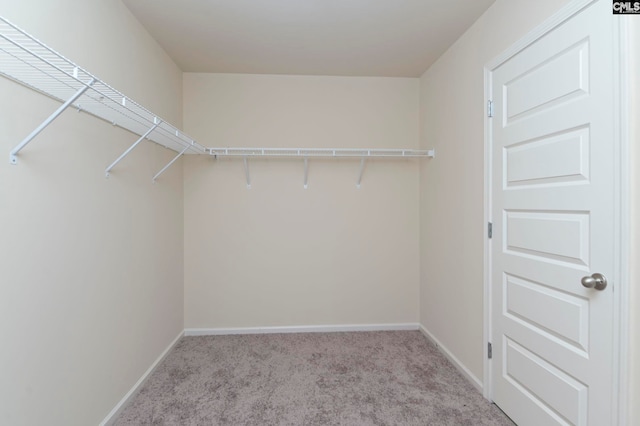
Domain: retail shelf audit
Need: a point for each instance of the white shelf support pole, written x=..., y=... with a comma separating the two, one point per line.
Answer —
x=246, y=172
x=13, y=156
x=362, y=163
x=306, y=173
x=156, y=123
x=171, y=162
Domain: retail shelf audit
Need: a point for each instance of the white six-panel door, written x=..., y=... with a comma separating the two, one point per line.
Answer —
x=552, y=208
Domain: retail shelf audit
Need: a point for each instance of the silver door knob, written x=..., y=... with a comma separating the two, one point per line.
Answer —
x=597, y=281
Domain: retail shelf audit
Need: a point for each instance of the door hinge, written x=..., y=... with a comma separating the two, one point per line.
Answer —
x=490, y=230
x=489, y=108
x=489, y=350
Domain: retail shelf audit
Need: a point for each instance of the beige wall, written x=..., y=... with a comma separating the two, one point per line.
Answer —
x=451, y=189
x=280, y=255
x=91, y=290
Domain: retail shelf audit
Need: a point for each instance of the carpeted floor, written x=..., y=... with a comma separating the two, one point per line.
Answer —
x=365, y=378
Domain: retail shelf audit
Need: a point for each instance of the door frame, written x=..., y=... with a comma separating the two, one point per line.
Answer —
x=621, y=301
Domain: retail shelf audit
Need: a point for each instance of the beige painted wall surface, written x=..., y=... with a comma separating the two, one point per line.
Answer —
x=280, y=255
x=91, y=290
x=451, y=195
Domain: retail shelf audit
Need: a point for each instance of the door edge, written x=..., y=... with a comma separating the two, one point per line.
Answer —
x=622, y=237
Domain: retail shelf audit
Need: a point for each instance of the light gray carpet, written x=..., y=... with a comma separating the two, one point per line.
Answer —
x=366, y=378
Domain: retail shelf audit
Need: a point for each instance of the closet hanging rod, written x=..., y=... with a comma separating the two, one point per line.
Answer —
x=321, y=152
x=28, y=61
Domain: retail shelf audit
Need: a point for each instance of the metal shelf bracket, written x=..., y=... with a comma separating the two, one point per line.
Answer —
x=156, y=123
x=306, y=173
x=362, y=163
x=246, y=172
x=13, y=156
x=171, y=162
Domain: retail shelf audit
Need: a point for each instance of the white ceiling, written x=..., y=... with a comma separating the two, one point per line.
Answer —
x=395, y=38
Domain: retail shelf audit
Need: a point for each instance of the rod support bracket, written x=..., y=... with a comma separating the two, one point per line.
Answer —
x=362, y=163
x=180, y=154
x=13, y=156
x=306, y=173
x=246, y=172
x=156, y=123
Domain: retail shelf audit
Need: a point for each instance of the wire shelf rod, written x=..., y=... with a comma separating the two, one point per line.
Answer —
x=37, y=69
x=320, y=152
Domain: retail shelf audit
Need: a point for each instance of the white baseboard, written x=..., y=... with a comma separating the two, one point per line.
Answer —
x=134, y=390
x=455, y=361
x=300, y=329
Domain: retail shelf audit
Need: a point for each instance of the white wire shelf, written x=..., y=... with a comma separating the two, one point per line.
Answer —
x=27, y=61
x=30, y=62
x=320, y=152
x=306, y=153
